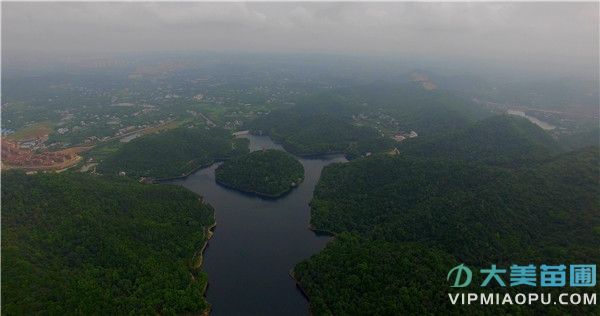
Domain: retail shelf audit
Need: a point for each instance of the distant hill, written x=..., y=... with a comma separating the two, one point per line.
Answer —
x=412, y=107
x=270, y=173
x=589, y=137
x=413, y=198
x=307, y=134
x=503, y=139
x=173, y=153
x=76, y=243
x=363, y=119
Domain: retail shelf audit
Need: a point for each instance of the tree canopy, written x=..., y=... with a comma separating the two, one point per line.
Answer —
x=173, y=153
x=498, y=140
x=318, y=134
x=270, y=173
x=515, y=200
x=83, y=244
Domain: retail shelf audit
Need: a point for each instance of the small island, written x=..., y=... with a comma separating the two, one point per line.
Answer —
x=267, y=173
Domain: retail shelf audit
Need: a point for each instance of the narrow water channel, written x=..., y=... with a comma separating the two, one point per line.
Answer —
x=257, y=242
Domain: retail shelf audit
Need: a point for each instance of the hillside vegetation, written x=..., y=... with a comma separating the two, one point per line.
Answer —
x=464, y=207
x=319, y=134
x=403, y=106
x=83, y=244
x=498, y=140
x=270, y=173
x=476, y=212
x=362, y=119
x=173, y=153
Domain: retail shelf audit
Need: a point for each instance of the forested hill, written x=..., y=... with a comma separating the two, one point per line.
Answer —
x=476, y=213
x=410, y=106
x=82, y=244
x=270, y=173
x=363, y=119
x=500, y=140
x=306, y=134
x=589, y=137
x=173, y=153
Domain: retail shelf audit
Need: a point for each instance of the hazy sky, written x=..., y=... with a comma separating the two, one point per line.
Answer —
x=563, y=35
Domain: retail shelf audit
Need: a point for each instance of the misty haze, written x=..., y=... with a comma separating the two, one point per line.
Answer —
x=290, y=158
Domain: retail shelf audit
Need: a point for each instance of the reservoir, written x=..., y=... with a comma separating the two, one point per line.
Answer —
x=258, y=241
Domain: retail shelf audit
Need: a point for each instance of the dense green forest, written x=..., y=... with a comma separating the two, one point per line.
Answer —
x=173, y=153
x=355, y=275
x=472, y=210
x=587, y=137
x=498, y=140
x=318, y=134
x=270, y=173
x=476, y=212
x=408, y=275
x=82, y=244
x=404, y=106
x=362, y=119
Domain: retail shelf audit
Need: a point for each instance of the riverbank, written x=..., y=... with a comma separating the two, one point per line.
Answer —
x=320, y=231
x=281, y=142
x=292, y=274
x=255, y=233
x=259, y=194
x=199, y=256
x=198, y=259
x=187, y=174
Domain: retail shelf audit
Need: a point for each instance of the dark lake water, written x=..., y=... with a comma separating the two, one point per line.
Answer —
x=257, y=242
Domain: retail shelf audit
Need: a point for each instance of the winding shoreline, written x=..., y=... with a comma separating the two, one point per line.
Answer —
x=198, y=257
x=321, y=231
x=187, y=174
x=259, y=194
x=282, y=143
x=198, y=261
x=292, y=274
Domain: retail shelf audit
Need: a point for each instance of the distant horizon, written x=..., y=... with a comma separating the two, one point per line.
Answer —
x=520, y=37
x=477, y=67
